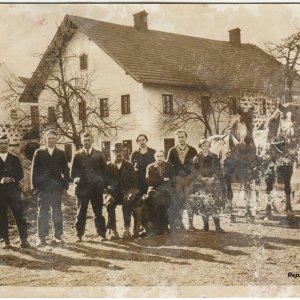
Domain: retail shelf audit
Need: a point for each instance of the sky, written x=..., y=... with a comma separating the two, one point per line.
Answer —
x=27, y=29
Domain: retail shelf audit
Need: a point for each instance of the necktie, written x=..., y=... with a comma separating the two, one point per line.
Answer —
x=88, y=152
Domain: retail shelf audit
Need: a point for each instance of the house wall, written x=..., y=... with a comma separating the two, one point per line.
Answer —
x=110, y=81
x=153, y=99
x=257, y=100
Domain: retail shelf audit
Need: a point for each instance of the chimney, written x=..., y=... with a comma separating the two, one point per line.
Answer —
x=235, y=37
x=140, y=20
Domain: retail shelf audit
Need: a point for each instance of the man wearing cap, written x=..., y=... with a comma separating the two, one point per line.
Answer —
x=49, y=177
x=90, y=174
x=123, y=189
x=11, y=172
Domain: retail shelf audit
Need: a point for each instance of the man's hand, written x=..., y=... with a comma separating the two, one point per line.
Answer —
x=8, y=180
x=109, y=200
x=76, y=180
x=210, y=180
x=166, y=179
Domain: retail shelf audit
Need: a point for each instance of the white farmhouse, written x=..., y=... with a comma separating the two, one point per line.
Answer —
x=142, y=72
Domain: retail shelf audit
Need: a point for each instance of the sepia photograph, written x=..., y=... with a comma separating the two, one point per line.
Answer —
x=149, y=150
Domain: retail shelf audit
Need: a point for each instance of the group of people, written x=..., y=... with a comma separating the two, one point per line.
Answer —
x=150, y=187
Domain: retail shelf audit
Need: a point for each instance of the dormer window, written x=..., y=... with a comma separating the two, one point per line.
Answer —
x=83, y=62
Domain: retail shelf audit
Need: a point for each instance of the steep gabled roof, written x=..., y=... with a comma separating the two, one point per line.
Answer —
x=151, y=56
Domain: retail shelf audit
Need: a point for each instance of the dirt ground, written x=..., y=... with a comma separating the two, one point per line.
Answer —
x=247, y=254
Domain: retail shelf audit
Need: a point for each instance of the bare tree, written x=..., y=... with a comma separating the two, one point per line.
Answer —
x=73, y=106
x=206, y=111
x=287, y=52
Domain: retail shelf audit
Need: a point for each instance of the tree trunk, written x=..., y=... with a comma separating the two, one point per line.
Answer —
x=207, y=127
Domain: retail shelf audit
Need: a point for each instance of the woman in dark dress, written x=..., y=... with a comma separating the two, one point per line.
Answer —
x=208, y=190
x=160, y=177
x=141, y=159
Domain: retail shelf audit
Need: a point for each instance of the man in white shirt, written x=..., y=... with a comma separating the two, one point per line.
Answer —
x=11, y=172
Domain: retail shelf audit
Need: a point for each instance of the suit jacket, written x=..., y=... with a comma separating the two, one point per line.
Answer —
x=92, y=171
x=11, y=168
x=122, y=181
x=49, y=172
x=155, y=175
x=185, y=168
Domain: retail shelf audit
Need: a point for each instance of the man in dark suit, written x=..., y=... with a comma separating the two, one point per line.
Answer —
x=11, y=172
x=89, y=172
x=123, y=189
x=49, y=176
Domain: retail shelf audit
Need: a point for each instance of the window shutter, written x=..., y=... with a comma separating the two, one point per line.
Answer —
x=34, y=114
x=82, y=110
x=205, y=105
x=167, y=100
x=66, y=113
x=125, y=104
x=83, y=62
x=104, y=110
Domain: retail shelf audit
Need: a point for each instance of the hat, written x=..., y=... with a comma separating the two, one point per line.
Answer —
x=117, y=147
x=203, y=140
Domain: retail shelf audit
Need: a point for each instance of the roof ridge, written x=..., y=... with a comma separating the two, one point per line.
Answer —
x=158, y=31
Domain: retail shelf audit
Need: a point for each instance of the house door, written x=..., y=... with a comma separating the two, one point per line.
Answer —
x=68, y=151
x=168, y=143
x=106, y=150
x=127, y=144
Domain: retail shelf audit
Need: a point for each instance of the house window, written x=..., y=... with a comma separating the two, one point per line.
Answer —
x=51, y=115
x=205, y=105
x=127, y=145
x=34, y=114
x=263, y=107
x=233, y=106
x=168, y=144
x=125, y=104
x=167, y=101
x=66, y=114
x=83, y=62
x=13, y=114
x=68, y=151
x=106, y=150
x=104, y=111
x=81, y=110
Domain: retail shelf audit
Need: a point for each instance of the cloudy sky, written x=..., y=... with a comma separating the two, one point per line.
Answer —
x=27, y=29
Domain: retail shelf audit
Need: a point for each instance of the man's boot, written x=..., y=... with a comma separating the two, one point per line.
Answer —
x=191, y=221
x=217, y=224
x=115, y=235
x=205, y=223
x=126, y=234
x=268, y=215
x=24, y=244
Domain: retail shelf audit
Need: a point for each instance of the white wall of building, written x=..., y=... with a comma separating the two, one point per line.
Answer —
x=111, y=81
